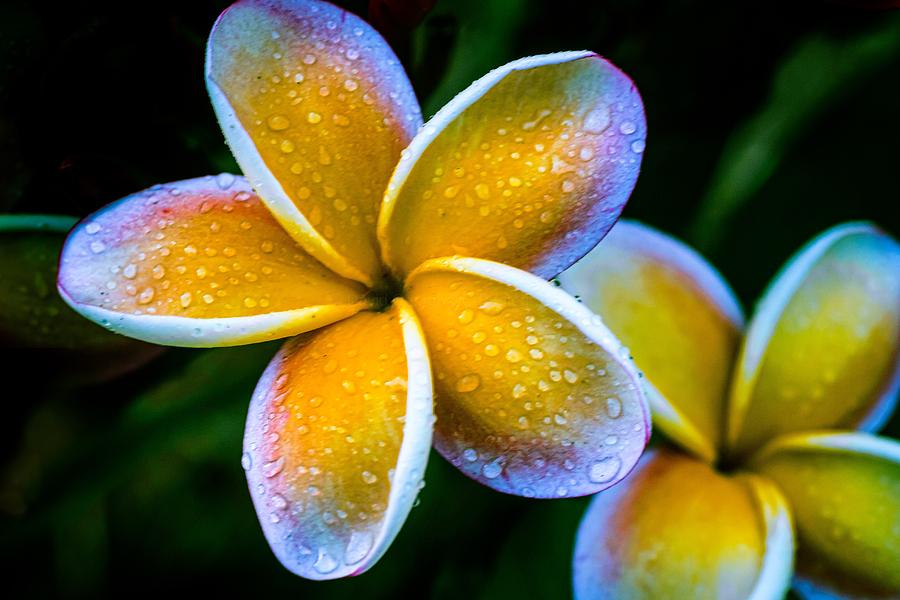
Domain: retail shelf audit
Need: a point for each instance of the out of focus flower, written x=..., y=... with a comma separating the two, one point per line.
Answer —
x=779, y=436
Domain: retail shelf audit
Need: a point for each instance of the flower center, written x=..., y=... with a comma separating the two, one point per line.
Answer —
x=384, y=292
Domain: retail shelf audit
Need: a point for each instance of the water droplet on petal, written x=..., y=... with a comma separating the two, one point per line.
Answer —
x=605, y=469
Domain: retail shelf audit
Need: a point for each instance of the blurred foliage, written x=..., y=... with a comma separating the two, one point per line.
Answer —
x=768, y=122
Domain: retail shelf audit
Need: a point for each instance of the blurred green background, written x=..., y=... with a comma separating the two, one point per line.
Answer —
x=768, y=122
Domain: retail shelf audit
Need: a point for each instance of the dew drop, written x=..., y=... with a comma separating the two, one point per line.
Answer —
x=278, y=122
x=613, y=408
x=470, y=454
x=358, y=547
x=605, y=469
x=597, y=120
x=468, y=383
x=273, y=468
x=246, y=461
x=325, y=563
x=492, y=469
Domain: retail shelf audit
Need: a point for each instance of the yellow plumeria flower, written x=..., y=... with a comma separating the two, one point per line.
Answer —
x=819, y=365
x=411, y=259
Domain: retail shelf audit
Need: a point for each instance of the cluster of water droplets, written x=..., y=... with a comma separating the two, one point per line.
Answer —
x=329, y=109
x=203, y=248
x=323, y=440
x=507, y=177
x=552, y=402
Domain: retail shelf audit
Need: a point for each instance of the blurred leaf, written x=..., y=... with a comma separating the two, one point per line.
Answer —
x=819, y=73
x=485, y=39
x=194, y=409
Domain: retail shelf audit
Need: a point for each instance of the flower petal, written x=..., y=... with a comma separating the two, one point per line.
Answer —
x=678, y=529
x=824, y=344
x=529, y=166
x=316, y=109
x=677, y=316
x=198, y=263
x=534, y=396
x=844, y=489
x=337, y=438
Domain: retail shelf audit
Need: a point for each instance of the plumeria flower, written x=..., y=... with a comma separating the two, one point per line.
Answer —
x=768, y=424
x=428, y=268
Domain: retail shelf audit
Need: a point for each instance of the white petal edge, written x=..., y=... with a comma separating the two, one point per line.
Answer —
x=777, y=566
x=270, y=189
x=767, y=314
x=417, y=432
x=590, y=324
x=851, y=442
x=215, y=332
x=442, y=119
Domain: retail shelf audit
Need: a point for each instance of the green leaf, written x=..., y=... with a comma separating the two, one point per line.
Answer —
x=818, y=74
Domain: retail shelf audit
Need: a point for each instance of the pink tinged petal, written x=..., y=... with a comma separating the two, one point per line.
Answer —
x=198, y=263
x=316, y=108
x=678, y=529
x=337, y=439
x=844, y=491
x=529, y=166
x=823, y=349
x=679, y=319
x=535, y=397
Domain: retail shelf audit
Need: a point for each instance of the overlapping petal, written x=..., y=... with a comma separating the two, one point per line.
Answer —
x=530, y=166
x=316, y=109
x=534, y=396
x=678, y=529
x=844, y=490
x=337, y=439
x=823, y=349
x=199, y=262
x=678, y=318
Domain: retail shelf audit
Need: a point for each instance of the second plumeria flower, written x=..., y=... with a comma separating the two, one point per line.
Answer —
x=418, y=262
x=772, y=421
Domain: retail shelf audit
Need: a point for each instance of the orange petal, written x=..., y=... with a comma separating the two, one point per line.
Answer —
x=823, y=349
x=844, y=489
x=534, y=396
x=530, y=166
x=316, y=109
x=677, y=529
x=677, y=316
x=337, y=439
x=198, y=263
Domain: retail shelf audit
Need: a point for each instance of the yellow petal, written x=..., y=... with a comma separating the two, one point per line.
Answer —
x=316, y=109
x=823, y=349
x=199, y=262
x=678, y=318
x=844, y=489
x=533, y=394
x=337, y=439
x=677, y=529
x=530, y=166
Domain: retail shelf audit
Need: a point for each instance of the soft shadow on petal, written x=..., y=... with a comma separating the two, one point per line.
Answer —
x=337, y=439
x=534, y=396
x=823, y=348
x=529, y=166
x=316, y=108
x=677, y=316
x=199, y=263
x=844, y=490
x=677, y=529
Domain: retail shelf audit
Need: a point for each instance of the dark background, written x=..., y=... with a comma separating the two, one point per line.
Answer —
x=768, y=122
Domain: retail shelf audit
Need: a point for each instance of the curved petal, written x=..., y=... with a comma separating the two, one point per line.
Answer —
x=534, y=395
x=198, y=263
x=529, y=166
x=337, y=439
x=677, y=529
x=679, y=319
x=824, y=344
x=844, y=489
x=316, y=109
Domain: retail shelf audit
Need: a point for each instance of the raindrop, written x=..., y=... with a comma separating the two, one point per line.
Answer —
x=358, y=547
x=604, y=470
x=470, y=454
x=246, y=461
x=325, y=563
x=278, y=122
x=492, y=469
x=613, y=408
x=597, y=120
x=468, y=383
x=273, y=468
